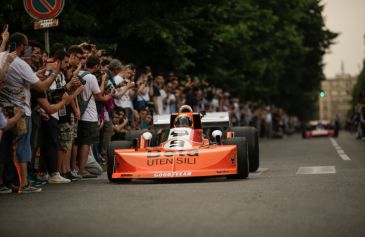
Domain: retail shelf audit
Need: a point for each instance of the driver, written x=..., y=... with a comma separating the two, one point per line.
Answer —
x=183, y=121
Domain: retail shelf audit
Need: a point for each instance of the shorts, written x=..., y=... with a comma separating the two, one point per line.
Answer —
x=23, y=149
x=87, y=133
x=66, y=136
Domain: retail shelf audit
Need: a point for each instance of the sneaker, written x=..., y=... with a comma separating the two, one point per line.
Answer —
x=71, y=177
x=75, y=174
x=29, y=189
x=86, y=174
x=56, y=178
x=4, y=189
x=35, y=182
x=43, y=177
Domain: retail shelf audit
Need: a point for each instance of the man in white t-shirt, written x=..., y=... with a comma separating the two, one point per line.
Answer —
x=124, y=94
x=88, y=129
x=16, y=92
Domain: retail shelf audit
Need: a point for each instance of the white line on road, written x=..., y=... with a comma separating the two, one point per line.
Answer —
x=317, y=170
x=259, y=171
x=344, y=157
x=339, y=150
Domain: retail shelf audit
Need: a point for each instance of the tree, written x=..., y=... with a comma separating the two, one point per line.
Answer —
x=262, y=50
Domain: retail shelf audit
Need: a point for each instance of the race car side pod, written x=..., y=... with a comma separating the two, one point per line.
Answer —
x=217, y=134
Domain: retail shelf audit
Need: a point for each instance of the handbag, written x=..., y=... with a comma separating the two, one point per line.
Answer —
x=20, y=128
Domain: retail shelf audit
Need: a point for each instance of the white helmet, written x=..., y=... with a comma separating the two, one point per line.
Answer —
x=185, y=108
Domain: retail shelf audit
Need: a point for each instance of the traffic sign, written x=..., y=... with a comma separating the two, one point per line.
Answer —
x=43, y=9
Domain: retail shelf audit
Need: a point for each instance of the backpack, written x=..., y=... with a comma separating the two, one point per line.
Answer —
x=83, y=103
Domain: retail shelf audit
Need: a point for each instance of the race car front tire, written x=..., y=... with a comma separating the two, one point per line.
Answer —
x=242, y=159
x=111, y=160
x=252, y=138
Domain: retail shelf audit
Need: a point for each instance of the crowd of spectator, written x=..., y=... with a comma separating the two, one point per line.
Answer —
x=60, y=111
x=357, y=121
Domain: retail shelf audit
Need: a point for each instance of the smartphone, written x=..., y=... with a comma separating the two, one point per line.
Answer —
x=6, y=27
x=12, y=46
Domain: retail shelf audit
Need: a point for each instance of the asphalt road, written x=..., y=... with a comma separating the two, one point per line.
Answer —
x=285, y=198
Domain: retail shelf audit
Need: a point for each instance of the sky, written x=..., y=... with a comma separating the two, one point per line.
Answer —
x=348, y=18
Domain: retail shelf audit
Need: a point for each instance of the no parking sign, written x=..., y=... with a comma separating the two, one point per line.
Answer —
x=43, y=9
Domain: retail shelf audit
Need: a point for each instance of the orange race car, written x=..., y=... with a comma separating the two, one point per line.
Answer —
x=185, y=151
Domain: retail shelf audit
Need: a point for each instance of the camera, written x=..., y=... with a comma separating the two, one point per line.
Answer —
x=82, y=80
x=48, y=73
x=55, y=96
x=98, y=75
x=108, y=87
x=9, y=110
x=12, y=46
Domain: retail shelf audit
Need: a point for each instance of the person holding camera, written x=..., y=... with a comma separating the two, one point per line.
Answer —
x=57, y=128
x=125, y=92
x=75, y=63
x=112, y=69
x=169, y=101
x=88, y=128
x=143, y=100
x=18, y=81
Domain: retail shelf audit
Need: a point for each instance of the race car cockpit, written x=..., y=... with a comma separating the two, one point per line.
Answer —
x=183, y=121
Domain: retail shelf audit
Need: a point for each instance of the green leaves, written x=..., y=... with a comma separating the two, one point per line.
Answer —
x=268, y=50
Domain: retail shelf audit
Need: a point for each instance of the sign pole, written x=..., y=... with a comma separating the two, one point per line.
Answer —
x=46, y=40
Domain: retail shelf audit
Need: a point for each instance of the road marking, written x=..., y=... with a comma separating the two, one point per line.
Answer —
x=339, y=150
x=259, y=171
x=344, y=157
x=317, y=170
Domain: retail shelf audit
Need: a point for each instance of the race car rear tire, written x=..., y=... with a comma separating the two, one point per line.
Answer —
x=242, y=159
x=111, y=160
x=252, y=138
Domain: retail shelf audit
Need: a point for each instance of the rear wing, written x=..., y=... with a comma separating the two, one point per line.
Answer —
x=216, y=119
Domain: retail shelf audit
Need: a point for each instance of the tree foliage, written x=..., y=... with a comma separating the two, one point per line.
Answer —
x=262, y=50
x=359, y=87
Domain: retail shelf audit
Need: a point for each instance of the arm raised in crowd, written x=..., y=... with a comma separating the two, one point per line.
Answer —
x=102, y=83
x=5, y=37
x=53, y=108
x=121, y=92
x=101, y=97
x=7, y=63
x=43, y=85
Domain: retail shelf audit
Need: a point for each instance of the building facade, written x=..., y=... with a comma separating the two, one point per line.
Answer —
x=335, y=101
